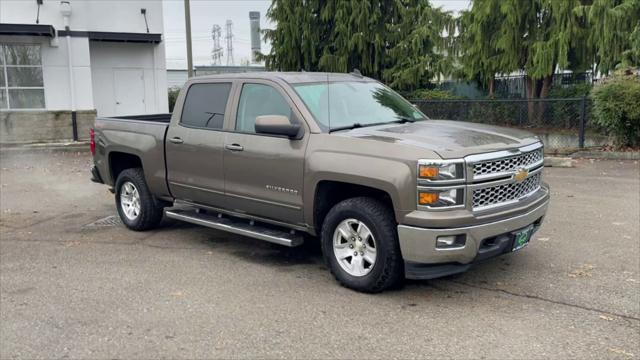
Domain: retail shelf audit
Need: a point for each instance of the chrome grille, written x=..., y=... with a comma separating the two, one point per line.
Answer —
x=507, y=164
x=507, y=192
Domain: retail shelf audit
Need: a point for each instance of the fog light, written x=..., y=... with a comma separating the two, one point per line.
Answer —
x=450, y=241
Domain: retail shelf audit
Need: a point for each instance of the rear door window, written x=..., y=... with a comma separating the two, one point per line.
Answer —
x=205, y=105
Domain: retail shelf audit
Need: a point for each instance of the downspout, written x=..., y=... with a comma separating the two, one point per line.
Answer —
x=65, y=9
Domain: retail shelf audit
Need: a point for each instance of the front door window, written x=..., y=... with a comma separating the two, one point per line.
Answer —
x=257, y=100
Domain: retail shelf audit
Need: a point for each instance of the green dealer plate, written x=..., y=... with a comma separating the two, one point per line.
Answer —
x=521, y=238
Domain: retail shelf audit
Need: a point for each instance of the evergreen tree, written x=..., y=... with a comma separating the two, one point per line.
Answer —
x=540, y=36
x=357, y=35
x=418, y=50
x=534, y=37
x=295, y=42
x=477, y=48
x=395, y=40
x=614, y=32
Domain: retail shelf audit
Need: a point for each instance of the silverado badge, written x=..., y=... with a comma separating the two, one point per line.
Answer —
x=521, y=174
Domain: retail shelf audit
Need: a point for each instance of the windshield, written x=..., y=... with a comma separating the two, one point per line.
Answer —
x=344, y=105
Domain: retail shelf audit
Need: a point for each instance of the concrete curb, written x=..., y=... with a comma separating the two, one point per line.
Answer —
x=556, y=161
x=607, y=155
x=62, y=146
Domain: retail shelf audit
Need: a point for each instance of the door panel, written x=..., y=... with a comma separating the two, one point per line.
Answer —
x=195, y=171
x=266, y=177
x=129, y=91
x=263, y=174
x=195, y=146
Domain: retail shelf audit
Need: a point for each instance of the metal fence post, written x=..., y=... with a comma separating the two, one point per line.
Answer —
x=583, y=121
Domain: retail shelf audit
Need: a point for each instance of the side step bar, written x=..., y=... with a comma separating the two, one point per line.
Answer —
x=238, y=226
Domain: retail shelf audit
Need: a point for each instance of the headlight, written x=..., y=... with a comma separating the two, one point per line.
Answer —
x=441, y=171
x=441, y=197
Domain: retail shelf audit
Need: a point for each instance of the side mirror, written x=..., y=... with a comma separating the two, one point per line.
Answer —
x=277, y=125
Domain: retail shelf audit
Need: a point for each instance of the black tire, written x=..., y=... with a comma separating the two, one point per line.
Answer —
x=388, y=269
x=151, y=209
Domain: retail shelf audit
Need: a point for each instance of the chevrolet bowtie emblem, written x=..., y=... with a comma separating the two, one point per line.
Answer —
x=520, y=174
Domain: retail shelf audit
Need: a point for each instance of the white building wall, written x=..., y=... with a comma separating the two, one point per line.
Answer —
x=93, y=72
x=55, y=73
x=87, y=15
x=55, y=70
x=176, y=78
x=108, y=58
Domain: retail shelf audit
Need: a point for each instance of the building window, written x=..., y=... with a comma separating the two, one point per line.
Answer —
x=21, y=84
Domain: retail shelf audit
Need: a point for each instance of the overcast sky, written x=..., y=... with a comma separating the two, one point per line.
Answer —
x=206, y=13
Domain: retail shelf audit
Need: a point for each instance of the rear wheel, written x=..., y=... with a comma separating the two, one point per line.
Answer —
x=138, y=209
x=360, y=245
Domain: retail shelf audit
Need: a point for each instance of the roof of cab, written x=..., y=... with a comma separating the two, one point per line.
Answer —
x=289, y=77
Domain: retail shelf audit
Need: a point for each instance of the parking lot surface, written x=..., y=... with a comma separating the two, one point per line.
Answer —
x=75, y=283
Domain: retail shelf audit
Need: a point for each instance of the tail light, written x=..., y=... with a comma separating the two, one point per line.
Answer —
x=92, y=141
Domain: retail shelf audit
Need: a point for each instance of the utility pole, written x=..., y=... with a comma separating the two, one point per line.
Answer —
x=65, y=9
x=187, y=22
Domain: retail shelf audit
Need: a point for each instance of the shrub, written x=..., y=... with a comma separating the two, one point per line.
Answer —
x=571, y=91
x=496, y=113
x=433, y=94
x=617, y=107
x=173, y=96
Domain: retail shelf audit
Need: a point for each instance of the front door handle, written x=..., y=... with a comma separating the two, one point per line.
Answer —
x=234, y=147
x=176, y=140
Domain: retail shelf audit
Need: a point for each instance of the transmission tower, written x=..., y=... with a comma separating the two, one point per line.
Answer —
x=216, y=53
x=229, y=38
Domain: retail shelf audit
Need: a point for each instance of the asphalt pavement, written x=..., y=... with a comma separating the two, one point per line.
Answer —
x=74, y=283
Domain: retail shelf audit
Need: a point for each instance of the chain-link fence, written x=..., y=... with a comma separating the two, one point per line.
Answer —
x=561, y=123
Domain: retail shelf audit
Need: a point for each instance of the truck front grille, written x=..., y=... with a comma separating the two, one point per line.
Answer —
x=509, y=164
x=497, y=195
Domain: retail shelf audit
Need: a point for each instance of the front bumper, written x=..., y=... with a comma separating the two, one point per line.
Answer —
x=424, y=261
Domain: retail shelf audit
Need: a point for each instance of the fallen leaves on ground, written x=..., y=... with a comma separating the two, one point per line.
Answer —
x=583, y=271
x=620, y=351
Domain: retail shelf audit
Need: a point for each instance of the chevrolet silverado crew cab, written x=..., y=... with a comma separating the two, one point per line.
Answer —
x=280, y=157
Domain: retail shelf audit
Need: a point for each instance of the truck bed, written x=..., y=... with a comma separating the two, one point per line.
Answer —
x=142, y=136
x=163, y=118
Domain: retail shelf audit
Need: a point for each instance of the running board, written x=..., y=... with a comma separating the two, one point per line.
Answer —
x=238, y=226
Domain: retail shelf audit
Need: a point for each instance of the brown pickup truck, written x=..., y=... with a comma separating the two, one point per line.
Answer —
x=284, y=156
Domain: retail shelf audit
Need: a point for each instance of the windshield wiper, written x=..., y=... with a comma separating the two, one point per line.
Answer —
x=401, y=120
x=404, y=120
x=348, y=127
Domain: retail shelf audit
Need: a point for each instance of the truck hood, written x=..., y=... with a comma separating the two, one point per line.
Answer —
x=449, y=139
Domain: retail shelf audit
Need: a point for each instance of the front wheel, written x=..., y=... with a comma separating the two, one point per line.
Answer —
x=138, y=209
x=360, y=245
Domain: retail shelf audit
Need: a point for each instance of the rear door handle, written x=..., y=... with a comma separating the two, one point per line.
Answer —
x=176, y=140
x=234, y=147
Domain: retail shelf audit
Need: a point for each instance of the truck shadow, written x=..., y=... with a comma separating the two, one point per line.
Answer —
x=277, y=255
x=252, y=250
x=309, y=255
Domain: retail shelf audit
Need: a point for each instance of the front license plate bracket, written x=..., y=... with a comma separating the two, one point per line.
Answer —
x=521, y=238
